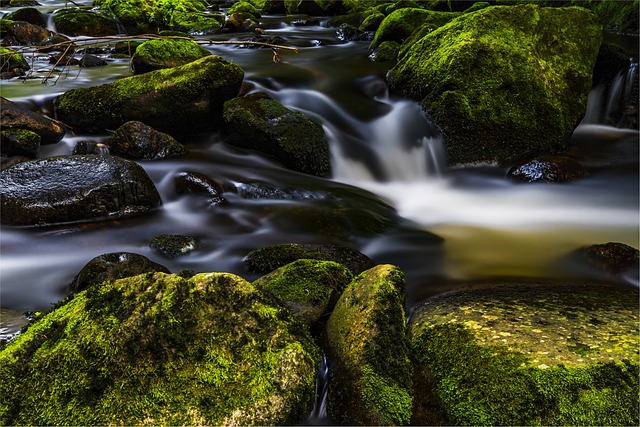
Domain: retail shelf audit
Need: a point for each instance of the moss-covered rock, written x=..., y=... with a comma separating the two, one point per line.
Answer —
x=165, y=53
x=173, y=245
x=160, y=349
x=370, y=378
x=67, y=189
x=16, y=116
x=10, y=60
x=176, y=100
x=19, y=142
x=244, y=7
x=257, y=122
x=399, y=24
x=27, y=14
x=527, y=354
x=82, y=22
x=503, y=81
x=25, y=33
x=267, y=259
x=307, y=286
x=387, y=51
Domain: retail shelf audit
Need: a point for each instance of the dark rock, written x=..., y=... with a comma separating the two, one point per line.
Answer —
x=89, y=61
x=11, y=60
x=165, y=53
x=274, y=7
x=387, y=51
x=173, y=245
x=267, y=259
x=113, y=266
x=240, y=22
x=7, y=162
x=63, y=60
x=301, y=20
x=67, y=189
x=82, y=22
x=617, y=260
x=28, y=14
x=19, y=142
x=13, y=115
x=135, y=140
x=66, y=48
x=28, y=34
x=91, y=147
x=195, y=182
x=257, y=122
x=547, y=169
x=347, y=33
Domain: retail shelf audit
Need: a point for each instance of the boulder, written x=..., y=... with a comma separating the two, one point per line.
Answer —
x=165, y=53
x=257, y=122
x=179, y=100
x=16, y=116
x=161, y=349
x=617, y=261
x=27, y=14
x=369, y=372
x=196, y=182
x=547, y=169
x=135, y=140
x=527, y=353
x=82, y=22
x=503, y=81
x=309, y=287
x=267, y=259
x=244, y=7
x=19, y=142
x=173, y=245
x=25, y=33
x=400, y=23
x=114, y=266
x=10, y=60
x=66, y=189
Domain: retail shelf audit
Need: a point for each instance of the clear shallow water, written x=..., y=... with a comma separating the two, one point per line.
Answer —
x=388, y=168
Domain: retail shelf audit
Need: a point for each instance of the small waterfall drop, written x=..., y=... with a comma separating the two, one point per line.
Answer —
x=319, y=413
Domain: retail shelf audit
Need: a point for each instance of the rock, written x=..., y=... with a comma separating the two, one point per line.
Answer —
x=617, y=260
x=244, y=7
x=527, y=353
x=173, y=245
x=272, y=257
x=257, y=122
x=399, y=24
x=28, y=34
x=15, y=116
x=370, y=378
x=504, y=81
x=347, y=33
x=137, y=141
x=195, y=182
x=10, y=60
x=161, y=349
x=114, y=266
x=179, y=100
x=240, y=22
x=308, y=287
x=387, y=51
x=19, y=142
x=67, y=189
x=82, y=22
x=547, y=169
x=27, y=14
x=89, y=61
x=165, y=53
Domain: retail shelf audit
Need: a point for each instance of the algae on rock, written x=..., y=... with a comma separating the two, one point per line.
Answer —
x=160, y=349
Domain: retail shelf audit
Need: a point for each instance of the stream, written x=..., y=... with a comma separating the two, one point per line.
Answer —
x=441, y=225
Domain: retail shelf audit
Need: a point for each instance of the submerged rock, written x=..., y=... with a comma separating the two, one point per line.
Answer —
x=15, y=116
x=547, y=169
x=616, y=260
x=257, y=122
x=176, y=100
x=161, y=349
x=173, y=245
x=165, y=53
x=504, y=81
x=135, y=140
x=74, y=188
x=370, y=378
x=114, y=266
x=527, y=353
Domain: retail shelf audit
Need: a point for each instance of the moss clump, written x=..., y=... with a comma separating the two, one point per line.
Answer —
x=82, y=22
x=160, y=349
x=370, y=381
x=399, y=24
x=307, y=286
x=166, y=53
x=10, y=60
x=19, y=142
x=528, y=354
x=503, y=81
x=244, y=7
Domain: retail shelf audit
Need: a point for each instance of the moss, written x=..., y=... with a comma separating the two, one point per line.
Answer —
x=160, y=349
x=504, y=80
x=401, y=23
x=10, y=59
x=244, y=7
x=370, y=380
x=530, y=355
x=166, y=53
x=19, y=142
x=80, y=22
x=387, y=51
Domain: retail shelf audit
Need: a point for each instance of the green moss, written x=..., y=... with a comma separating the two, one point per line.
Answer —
x=80, y=22
x=401, y=23
x=160, y=349
x=169, y=52
x=244, y=7
x=366, y=335
x=19, y=142
x=172, y=245
x=10, y=59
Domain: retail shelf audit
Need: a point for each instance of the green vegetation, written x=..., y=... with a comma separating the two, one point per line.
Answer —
x=159, y=349
x=244, y=7
x=10, y=59
x=81, y=22
x=401, y=23
x=166, y=53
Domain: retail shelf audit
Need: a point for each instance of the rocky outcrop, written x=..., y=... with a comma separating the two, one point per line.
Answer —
x=177, y=100
x=161, y=349
x=504, y=81
x=67, y=189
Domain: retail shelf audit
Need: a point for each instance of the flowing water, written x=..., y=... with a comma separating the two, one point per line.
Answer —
x=391, y=194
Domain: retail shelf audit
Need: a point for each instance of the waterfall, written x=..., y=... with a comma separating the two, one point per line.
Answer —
x=319, y=415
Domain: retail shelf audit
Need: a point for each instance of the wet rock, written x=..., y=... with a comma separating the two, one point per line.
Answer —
x=91, y=147
x=82, y=22
x=114, y=266
x=28, y=34
x=11, y=60
x=525, y=353
x=257, y=122
x=348, y=33
x=27, y=14
x=19, y=142
x=135, y=140
x=57, y=43
x=7, y=162
x=195, y=182
x=240, y=22
x=547, y=169
x=67, y=189
x=15, y=116
x=309, y=287
x=165, y=53
x=90, y=61
x=173, y=245
x=387, y=51
x=401, y=23
x=208, y=350
x=244, y=7
x=191, y=103
x=516, y=79
x=267, y=259
x=617, y=260
x=370, y=378
x=301, y=20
